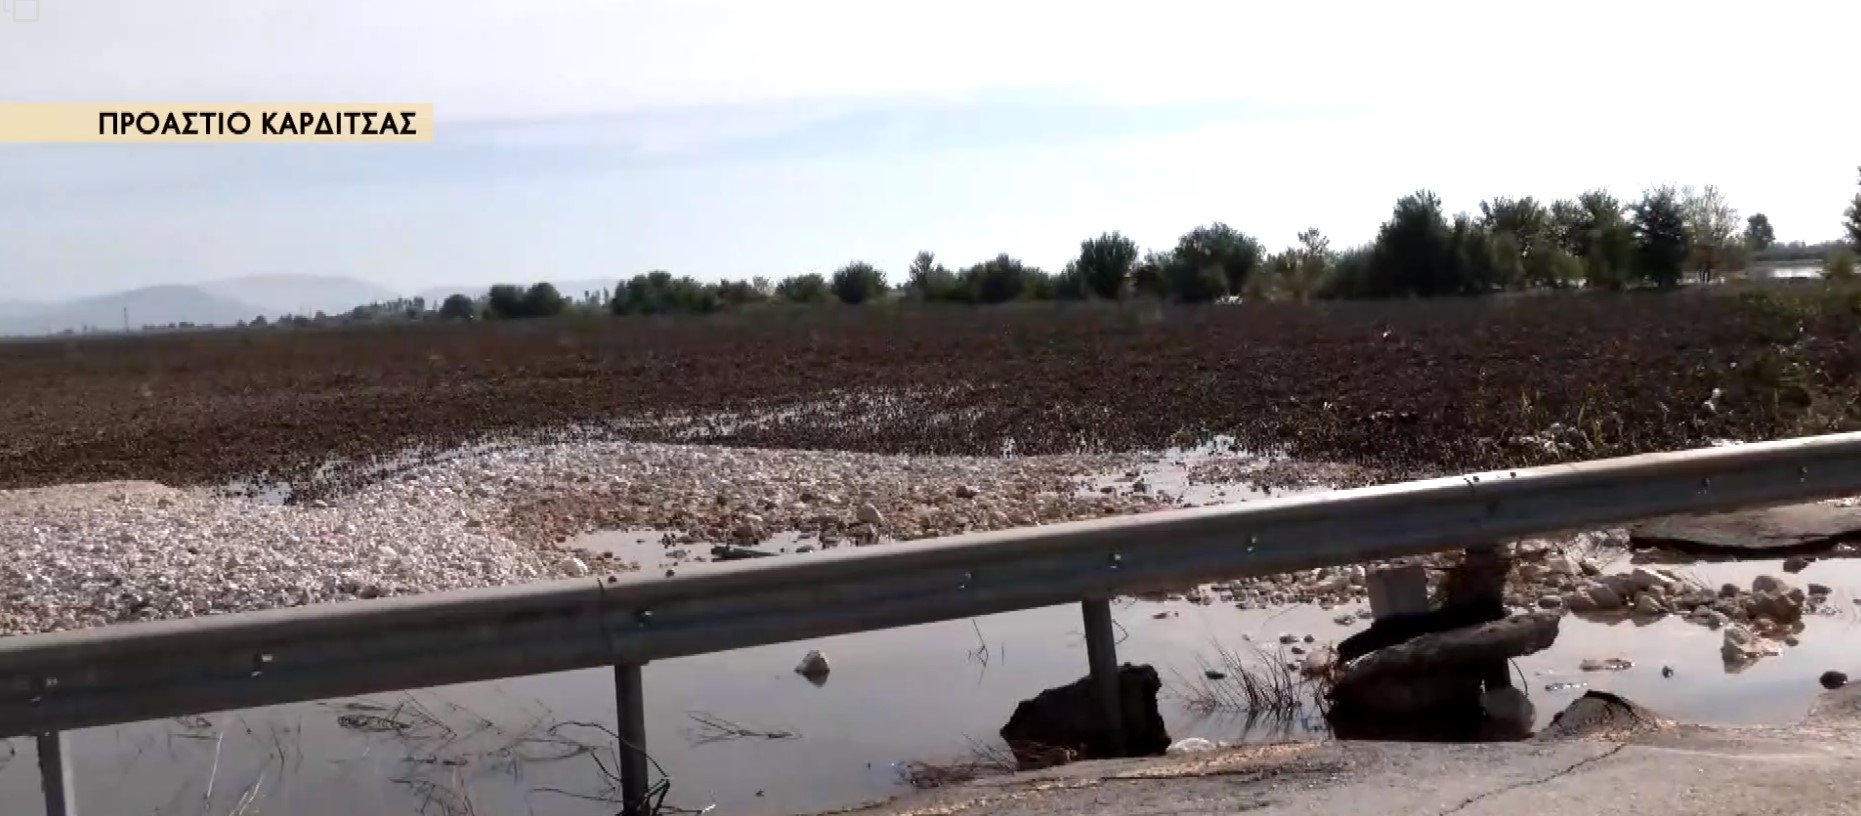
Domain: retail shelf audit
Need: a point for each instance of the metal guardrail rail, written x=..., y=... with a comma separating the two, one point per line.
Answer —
x=53, y=683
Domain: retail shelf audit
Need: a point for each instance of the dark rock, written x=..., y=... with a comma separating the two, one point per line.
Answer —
x=1442, y=668
x=1064, y=724
x=1397, y=629
x=1795, y=564
x=1799, y=528
x=1667, y=671
x=1833, y=680
x=1819, y=589
x=729, y=552
x=1599, y=713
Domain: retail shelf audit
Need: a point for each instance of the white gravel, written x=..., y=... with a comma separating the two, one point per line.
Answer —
x=85, y=555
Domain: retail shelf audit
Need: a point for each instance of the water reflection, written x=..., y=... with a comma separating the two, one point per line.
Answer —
x=742, y=730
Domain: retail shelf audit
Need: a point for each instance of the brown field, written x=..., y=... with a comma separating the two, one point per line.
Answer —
x=1405, y=388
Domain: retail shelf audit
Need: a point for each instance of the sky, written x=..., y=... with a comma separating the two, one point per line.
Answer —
x=725, y=139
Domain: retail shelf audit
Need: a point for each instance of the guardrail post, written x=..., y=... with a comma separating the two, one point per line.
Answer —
x=630, y=697
x=1102, y=655
x=55, y=774
x=1399, y=590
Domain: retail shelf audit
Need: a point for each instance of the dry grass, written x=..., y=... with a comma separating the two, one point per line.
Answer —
x=1259, y=684
x=981, y=760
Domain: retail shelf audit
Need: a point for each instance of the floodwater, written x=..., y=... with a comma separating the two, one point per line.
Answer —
x=741, y=733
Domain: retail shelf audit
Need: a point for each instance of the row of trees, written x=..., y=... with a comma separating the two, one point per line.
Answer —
x=1594, y=240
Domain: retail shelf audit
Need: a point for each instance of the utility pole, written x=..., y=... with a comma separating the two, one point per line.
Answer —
x=125, y=319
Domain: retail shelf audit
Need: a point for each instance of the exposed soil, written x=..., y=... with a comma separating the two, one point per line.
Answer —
x=1399, y=389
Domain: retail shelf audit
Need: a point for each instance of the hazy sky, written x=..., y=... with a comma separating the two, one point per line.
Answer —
x=731, y=139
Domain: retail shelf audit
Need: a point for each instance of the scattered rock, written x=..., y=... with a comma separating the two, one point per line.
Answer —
x=1311, y=639
x=1767, y=583
x=1606, y=664
x=1740, y=646
x=1551, y=602
x=1287, y=637
x=1192, y=745
x=1795, y=564
x=1214, y=675
x=1603, y=598
x=1667, y=671
x=1833, y=680
x=1819, y=589
x=1344, y=620
x=1067, y=722
x=574, y=566
x=869, y=514
x=1600, y=713
x=964, y=491
x=1729, y=590
x=1647, y=604
x=813, y=666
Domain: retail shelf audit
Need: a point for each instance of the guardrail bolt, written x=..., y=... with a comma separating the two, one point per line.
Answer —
x=967, y=577
x=643, y=617
x=1705, y=483
x=1253, y=540
x=1802, y=474
x=259, y=662
x=1116, y=560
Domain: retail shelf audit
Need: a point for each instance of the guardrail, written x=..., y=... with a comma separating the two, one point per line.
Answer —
x=53, y=683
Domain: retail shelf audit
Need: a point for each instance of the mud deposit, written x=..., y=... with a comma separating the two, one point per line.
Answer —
x=1401, y=387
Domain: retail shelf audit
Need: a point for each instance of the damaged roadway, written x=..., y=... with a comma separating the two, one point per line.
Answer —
x=1629, y=765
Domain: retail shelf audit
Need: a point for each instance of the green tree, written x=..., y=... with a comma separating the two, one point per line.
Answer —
x=1526, y=220
x=1414, y=251
x=1853, y=224
x=928, y=280
x=1105, y=263
x=811, y=289
x=732, y=294
x=1840, y=266
x=1231, y=253
x=1071, y=284
x=1712, y=230
x=457, y=307
x=1661, y=238
x=657, y=292
x=542, y=300
x=503, y=302
x=999, y=279
x=1311, y=262
x=1149, y=278
x=1758, y=233
x=858, y=282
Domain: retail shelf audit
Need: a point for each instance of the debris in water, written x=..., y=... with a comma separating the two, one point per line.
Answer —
x=1606, y=664
x=813, y=666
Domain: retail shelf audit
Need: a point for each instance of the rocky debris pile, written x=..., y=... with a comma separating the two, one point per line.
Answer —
x=1067, y=723
x=1550, y=578
x=742, y=496
x=86, y=555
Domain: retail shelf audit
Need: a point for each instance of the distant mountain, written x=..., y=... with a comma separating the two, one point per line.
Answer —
x=275, y=295
x=149, y=306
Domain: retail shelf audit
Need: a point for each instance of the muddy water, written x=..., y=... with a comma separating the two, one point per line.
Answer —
x=918, y=693
x=742, y=732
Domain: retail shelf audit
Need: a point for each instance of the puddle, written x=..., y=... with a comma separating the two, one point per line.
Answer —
x=919, y=693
